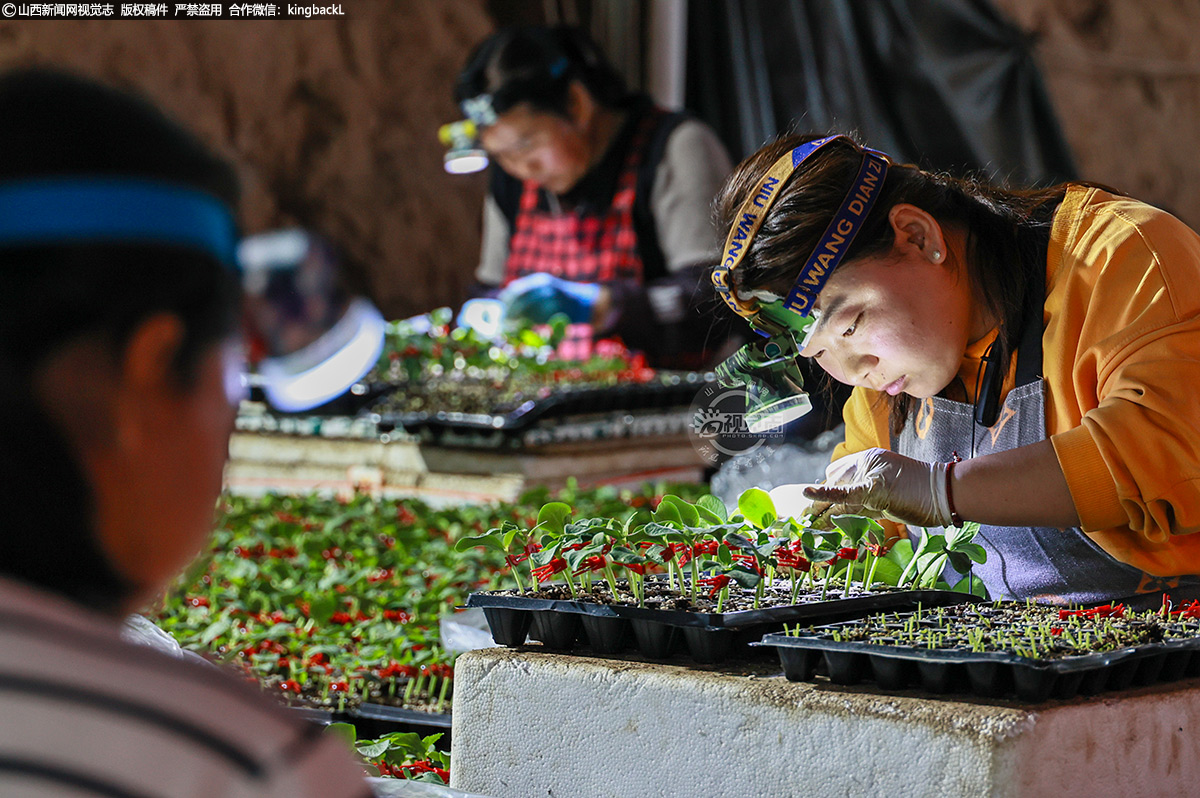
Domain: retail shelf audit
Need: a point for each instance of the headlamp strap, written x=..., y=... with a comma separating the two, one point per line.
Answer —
x=831, y=247
x=840, y=234
x=750, y=217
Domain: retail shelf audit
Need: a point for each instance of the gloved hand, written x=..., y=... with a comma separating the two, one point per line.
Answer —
x=483, y=315
x=536, y=297
x=878, y=482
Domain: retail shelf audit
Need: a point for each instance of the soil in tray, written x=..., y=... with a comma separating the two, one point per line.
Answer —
x=659, y=596
x=1035, y=651
x=312, y=699
x=669, y=624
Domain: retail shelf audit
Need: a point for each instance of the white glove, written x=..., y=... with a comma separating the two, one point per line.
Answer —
x=879, y=482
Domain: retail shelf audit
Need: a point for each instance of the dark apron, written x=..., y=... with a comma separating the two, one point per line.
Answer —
x=1042, y=563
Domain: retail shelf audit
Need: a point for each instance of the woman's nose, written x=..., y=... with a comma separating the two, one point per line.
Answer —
x=528, y=169
x=849, y=368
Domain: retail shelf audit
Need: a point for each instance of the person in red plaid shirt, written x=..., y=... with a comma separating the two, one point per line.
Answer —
x=599, y=202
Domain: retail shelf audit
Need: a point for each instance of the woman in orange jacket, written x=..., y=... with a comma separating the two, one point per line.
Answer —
x=1050, y=339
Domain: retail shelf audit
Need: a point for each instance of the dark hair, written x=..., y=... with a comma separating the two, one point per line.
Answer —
x=535, y=65
x=56, y=124
x=1006, y=229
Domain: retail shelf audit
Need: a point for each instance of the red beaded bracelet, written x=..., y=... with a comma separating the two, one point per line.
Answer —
x=955, y=519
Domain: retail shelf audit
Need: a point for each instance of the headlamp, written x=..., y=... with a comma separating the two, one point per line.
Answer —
x=314, y=338
x=464, y=156
x=769, y=370
x=315, y=335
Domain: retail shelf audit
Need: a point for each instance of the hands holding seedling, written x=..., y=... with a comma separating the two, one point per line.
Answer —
x=878, y=482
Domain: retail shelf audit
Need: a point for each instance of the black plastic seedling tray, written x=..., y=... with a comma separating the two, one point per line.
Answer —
x=376, y=720
x=985, y=674
x=611, y=629
x=567, y=401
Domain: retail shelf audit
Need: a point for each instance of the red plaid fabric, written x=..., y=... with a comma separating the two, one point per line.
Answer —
x=585, y=245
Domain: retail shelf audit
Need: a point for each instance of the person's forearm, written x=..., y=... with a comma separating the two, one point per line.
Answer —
x=1019, y=487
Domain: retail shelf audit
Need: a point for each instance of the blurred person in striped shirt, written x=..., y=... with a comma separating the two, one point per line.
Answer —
x=120, y=372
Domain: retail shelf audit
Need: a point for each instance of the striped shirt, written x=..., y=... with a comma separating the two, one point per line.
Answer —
x=84, y=713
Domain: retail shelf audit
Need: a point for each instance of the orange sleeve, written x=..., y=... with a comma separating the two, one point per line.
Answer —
x=1122, y=361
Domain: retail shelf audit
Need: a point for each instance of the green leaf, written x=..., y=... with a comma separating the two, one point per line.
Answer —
x=585, y=525
x=855, y=527
x=886, y=572
x=713, y=507
x=976, y=552
x=373, y=750
x=956, y=536
x=816, y=554
x=757, y=507
x=900, y=553
x=654, y=529
x=575, y=557
x=932, y=544
x=488, y=540
x=656, y=554
x=929, y=566
x=972, y=585
x=510, y=531
x=688, y=515
x=766, y=549
x=558, y=328
x=625, y=556
x=738, y=541
x=215, y=630
x=553, y=517
x=542, y=557
x=959, y=561
x=344, y=731
x=406, y=746
x=322, y=608
x=743, y=576
x=667, y=513
x=258, y=601
x=724, y=556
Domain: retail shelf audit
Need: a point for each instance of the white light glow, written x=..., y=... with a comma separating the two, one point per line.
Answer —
x=327, y=367
x=464, y=162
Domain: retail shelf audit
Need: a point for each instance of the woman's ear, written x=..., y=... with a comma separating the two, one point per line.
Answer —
x=916, y=231
x=148, y=384
x=581, y=105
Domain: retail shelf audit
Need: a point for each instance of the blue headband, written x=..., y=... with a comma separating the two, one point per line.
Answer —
x=840, y=234
x=115, y=209
x=830, y=248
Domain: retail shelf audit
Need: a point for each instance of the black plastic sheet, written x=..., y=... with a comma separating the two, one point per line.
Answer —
x=947, y=84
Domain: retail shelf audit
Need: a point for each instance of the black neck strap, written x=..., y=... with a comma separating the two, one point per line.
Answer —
x=1029, y=354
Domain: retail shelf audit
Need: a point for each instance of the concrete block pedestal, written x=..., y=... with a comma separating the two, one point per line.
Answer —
x=528, y=723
